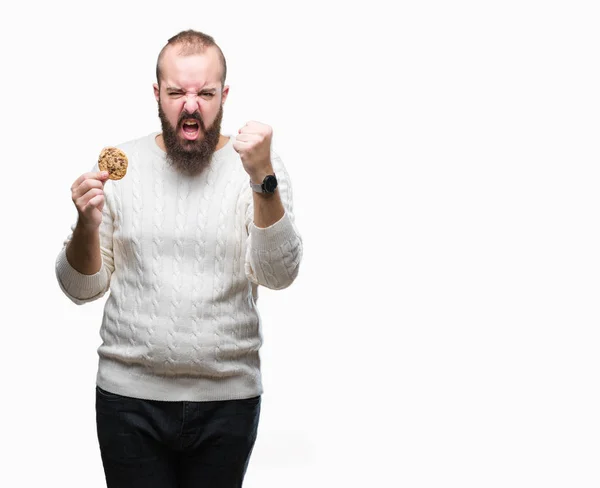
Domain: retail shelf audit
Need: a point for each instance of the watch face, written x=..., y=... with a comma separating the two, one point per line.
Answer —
x=270, y=183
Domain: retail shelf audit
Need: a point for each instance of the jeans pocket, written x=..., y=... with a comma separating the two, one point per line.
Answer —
x=107, y=395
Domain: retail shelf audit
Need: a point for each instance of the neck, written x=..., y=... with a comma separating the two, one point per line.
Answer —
x=222, y=141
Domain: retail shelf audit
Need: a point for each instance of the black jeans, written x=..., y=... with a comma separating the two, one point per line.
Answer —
x=154, y=444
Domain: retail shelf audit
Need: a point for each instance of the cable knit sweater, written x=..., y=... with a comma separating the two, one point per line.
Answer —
x=183, y=259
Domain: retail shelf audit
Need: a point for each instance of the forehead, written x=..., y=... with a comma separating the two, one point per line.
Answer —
x=191, y=69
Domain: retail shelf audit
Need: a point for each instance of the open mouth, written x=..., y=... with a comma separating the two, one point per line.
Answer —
x=190, y=129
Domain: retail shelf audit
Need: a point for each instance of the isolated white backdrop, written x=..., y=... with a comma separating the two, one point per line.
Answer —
x=443, y=330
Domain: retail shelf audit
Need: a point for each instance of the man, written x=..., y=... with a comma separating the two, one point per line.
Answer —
x=182, y=241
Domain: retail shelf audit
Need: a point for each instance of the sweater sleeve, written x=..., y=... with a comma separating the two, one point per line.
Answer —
x=82, y=288
x=273, y=254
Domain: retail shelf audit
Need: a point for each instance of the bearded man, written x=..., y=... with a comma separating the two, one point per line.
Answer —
x=182, y=242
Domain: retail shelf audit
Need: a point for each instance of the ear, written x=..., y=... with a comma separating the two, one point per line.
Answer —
x=156, y=91
x=224, y=95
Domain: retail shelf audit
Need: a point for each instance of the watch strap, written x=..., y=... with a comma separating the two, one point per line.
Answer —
x=264, y=187
x=257, y=187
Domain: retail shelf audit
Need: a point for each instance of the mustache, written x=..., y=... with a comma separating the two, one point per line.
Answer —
x=193, y=116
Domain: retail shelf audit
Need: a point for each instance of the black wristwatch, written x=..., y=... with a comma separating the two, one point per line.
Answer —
x=268, y=185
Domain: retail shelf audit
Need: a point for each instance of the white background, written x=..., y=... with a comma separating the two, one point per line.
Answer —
x=443, y=330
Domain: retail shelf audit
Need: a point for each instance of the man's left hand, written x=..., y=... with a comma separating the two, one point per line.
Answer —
x=253, y=144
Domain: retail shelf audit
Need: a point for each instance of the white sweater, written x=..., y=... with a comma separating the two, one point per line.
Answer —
x=183, y=259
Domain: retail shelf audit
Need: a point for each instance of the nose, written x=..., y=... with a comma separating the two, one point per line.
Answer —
x=191, y=103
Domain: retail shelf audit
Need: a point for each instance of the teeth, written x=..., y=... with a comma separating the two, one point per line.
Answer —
x=190, y=123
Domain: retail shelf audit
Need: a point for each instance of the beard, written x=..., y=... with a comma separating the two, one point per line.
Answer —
x=190, y=157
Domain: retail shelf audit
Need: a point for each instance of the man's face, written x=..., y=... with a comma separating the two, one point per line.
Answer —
x=190, y=106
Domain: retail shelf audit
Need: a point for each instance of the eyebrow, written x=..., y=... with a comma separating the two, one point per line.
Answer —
x=177, y=89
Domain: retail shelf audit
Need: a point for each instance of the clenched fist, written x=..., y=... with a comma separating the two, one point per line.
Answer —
x=253, y=144
x=87, y=193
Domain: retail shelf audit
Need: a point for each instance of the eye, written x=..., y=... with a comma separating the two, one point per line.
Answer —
x=207, y=94
x=174, y=94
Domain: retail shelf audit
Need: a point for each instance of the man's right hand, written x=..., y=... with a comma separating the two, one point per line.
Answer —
x=87, y=193
x=83, y=252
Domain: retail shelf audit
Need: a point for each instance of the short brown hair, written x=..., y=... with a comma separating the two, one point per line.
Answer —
x=192, y=42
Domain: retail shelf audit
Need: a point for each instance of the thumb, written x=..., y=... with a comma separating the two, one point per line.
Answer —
x=102, y=176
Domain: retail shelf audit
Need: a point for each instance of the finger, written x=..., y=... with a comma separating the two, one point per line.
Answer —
x=254, y=127
x=241, y=146
x=250, y=130
x=84, y=200
x=251, y=127
x=253, y=124
x=87, y=185
x=96, y=201
x=94, y=204
x=96, y=175
x=79, y=180
x=248, y=138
